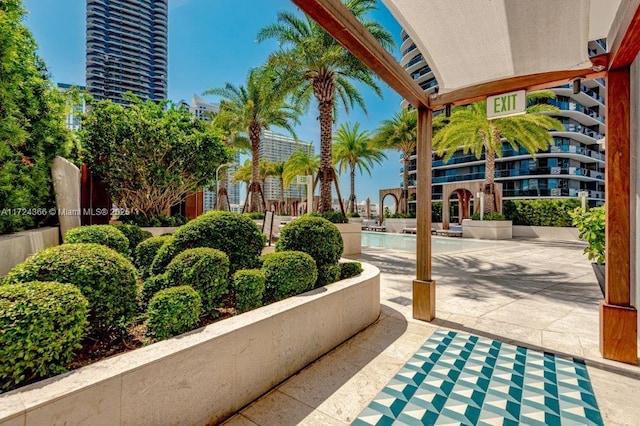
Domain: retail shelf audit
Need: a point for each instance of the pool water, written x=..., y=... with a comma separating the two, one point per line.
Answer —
x=407, y=242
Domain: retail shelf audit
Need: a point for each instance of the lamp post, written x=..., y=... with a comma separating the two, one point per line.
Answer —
x=583, y=197
x=218, y=181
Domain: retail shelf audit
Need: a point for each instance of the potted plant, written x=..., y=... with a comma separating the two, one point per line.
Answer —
x=590, y=224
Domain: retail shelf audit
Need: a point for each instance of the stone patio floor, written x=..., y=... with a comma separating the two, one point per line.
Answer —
x=538, y=294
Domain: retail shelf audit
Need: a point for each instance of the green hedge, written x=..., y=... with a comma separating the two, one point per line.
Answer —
x=233, y=233
x=107, y=235
x=328, y=274
x=154, y=221
x=332, y=216
x=204, y=269
x=316, y=236
x=544, y=212
x=173, y=311
x=150, y=287
x=41, y=324
x=288, y=273
x=248, y=287
x=146, y=251
x=350, y=269
x=134, y=234
x=105, y=277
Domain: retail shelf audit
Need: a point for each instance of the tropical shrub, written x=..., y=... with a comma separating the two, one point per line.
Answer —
x=105, y=277
x=134, y=234
x=489, y=216
x=591, y=225
x=233, y=233
x=41, y=324
x=154, y=220
x=173, y=311
x=255, y=215
x=204, y=269
x=150, y=287
x=552, y=212
x=332, y=216
x=146, y=251
x=248, y=287
x=354, y=214
x=436, y=212
x=316, y=236
x=288, y=273
x=107, y=235
x=350, y=269
x=328, y=274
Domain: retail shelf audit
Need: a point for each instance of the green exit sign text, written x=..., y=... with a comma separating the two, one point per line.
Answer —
x=507, y=104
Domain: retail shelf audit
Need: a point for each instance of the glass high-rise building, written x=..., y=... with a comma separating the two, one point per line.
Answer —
x=127, y=49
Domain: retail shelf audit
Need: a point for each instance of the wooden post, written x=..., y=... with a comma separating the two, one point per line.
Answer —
x=424, y=288
x=618, y=319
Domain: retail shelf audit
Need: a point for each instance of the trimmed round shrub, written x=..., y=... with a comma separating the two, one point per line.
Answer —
x=41, y=324
x=173, y=311
x=350, y=269
x=150, y=287
x=145, y=252
x=316, y=236
x=233, y=233
x=134, y=234
x=204, y=269
x=105, y=277
x=248, y=286
x=328, y=274
x=107, y=235
x=288, y=273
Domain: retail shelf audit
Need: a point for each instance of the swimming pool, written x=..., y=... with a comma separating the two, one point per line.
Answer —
x=407, y=242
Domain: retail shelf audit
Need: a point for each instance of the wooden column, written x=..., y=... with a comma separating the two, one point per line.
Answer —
x=618, y=319
x=424, y=288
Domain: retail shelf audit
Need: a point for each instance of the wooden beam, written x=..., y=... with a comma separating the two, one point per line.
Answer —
x=340, y=23
x=624, y=37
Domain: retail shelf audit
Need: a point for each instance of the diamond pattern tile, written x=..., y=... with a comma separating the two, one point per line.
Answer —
x=460, y=379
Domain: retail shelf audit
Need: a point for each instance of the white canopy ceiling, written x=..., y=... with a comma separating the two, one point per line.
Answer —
x=467, y=42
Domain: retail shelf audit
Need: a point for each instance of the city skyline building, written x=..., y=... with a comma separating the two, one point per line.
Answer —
x=126, y=49
x=72, y=119
x=574, y=163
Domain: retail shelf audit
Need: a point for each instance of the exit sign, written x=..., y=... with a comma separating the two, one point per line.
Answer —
x=507, y=104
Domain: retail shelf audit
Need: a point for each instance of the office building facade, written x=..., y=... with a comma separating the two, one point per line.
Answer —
x=127, y=49
x=574, y=163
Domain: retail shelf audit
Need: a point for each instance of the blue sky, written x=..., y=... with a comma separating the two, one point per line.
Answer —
x=212, y=42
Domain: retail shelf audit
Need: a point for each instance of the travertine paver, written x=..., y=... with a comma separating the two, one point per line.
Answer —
x=538, y=294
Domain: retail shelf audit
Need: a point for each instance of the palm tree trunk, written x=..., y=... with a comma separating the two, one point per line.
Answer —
x=221, y=198
x=281, y=207
x=254, y=189
x=404, y=199
x=323, y=90
x=489, y=178
x=352, y=197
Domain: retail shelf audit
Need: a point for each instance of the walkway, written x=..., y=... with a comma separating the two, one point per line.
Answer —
x=535, y=294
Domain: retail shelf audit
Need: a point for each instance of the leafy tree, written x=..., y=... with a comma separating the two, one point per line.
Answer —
x=400, y=133
x=150, y=155
x=252, y=108
x=355, y=148
x=468, y=129
x=32, y=130
x=316, y=65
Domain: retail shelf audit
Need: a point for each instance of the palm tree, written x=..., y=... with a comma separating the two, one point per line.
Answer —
x=469, y=130
x=316, y=65
x=277, y=171
x=400, y=133
x=243, y=174
x=302, y=162
x=253, y=108
x=354, y=148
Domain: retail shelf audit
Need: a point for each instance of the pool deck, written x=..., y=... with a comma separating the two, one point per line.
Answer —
x=541, y=295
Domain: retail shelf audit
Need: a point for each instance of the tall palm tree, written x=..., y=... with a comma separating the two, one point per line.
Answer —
x=316, y=65
x=243, y=174
x=276, y=171
x=468, y=129
x=400, y=133
x=254, y=107
x=354, y=148
x=302, y=162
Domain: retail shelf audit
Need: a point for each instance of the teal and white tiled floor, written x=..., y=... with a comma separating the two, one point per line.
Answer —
x=457, y=378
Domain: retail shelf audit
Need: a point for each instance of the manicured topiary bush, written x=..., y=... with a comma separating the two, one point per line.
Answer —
x=313, y=235
x=204, y=269
x=107, y=235
x=150, y=287
x=327, y=274
x=233, y=233
x=105, y=277
x=288, y=273
x=41, y=324
x=134, y=234
x=350, y=269
x=248, y=286
x=146, y=251
x=173, y=311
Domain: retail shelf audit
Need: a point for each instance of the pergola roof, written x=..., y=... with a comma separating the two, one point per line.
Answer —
x=472, y=42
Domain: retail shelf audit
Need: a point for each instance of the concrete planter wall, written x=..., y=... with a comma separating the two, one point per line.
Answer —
x=546, y=232
x=487, y=229
x=352, y=237
x=206, y=375
x=15, y=248
x=397, y=225
x=159, y=230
